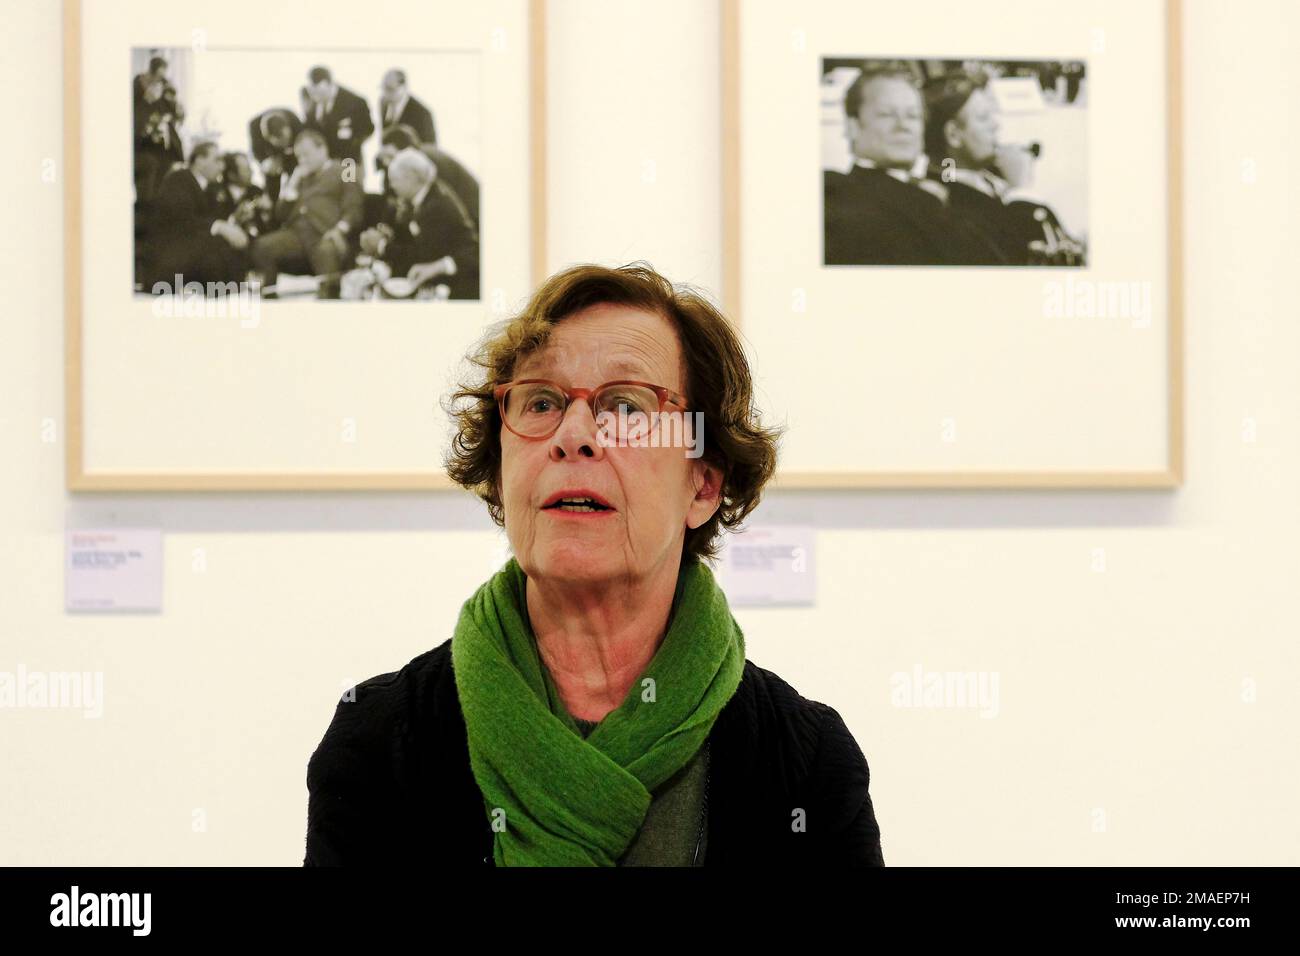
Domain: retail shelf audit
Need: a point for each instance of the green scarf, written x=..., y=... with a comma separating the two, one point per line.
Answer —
x=554, y=797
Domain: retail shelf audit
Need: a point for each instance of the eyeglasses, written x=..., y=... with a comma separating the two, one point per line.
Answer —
x=534, y=407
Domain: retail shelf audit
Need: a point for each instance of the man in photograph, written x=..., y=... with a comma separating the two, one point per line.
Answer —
x=319, y=211
x=270, y=135
x=339, y=114
x=191, y=237
x=984, y=176
x=883, y=211
x=240, y=200
x=431, y=238
x=451, y=172
x=398, y=107
x=157, y=116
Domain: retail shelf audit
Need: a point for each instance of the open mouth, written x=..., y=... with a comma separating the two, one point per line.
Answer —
x=577, y=506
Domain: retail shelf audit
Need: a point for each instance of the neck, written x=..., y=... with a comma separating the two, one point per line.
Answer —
x=596, y=644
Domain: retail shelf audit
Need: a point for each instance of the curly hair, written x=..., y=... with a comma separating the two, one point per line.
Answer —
x=718, y=383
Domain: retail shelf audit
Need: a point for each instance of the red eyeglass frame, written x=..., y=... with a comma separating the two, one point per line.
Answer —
x=666, y=397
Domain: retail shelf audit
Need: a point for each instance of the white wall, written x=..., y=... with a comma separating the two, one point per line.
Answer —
x=1119, y=690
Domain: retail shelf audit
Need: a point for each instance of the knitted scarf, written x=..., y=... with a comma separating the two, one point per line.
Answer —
x=554, y=797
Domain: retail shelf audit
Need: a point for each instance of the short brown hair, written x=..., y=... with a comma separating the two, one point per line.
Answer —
x=875, y=70
x=718, y=384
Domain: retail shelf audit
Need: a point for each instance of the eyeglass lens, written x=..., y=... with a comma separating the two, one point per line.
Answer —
x=536, y=408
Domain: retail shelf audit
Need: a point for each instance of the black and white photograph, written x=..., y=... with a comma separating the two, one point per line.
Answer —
x=954, y=162
x=307, y=174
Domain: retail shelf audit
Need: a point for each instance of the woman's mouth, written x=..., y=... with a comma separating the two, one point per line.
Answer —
x=578, y=506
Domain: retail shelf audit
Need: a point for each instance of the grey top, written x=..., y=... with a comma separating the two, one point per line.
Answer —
x=672, y=825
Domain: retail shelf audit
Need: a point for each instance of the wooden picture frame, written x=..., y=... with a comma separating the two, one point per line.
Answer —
x=767, y=109
x=516, y=39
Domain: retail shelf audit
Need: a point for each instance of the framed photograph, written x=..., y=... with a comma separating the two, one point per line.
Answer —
x=280, y=245
x=954, y=238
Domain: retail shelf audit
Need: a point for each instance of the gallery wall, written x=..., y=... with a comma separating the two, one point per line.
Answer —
x=1144, y=643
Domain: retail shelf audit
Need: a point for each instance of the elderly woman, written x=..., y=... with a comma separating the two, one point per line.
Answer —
x=593, y=706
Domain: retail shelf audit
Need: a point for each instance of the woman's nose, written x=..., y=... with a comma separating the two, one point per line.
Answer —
x=576, y=436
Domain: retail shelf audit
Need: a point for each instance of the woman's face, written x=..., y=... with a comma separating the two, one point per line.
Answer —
x=974, y=133
x=655, y=493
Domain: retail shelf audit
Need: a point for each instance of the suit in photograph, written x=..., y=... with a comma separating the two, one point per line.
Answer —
x=157, y=139
x=324, y=198
x=249, y=210
x=439, y=226
x=181, y=241
x=283, y=158
x=453, y=174
x=346, y=124
x=413, y=114
x=1013, y=225
x=874, y=218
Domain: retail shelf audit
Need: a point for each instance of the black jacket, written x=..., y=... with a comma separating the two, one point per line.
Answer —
x=415, y=115
x=441, y=228
x=390, y=783
x=1010, y=226
x=870, y=218
x=345, y=127
x=263, y=149
x=181, y=240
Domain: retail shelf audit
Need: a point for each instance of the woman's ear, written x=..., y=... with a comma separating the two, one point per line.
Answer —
x=706, y=479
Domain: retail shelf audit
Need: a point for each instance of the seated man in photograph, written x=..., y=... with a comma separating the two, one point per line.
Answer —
x=190, y=237
x=984, y=176
x=270, y=135
x=318, y=213
x=882, y=211
x=451, y=172
x=431, y=238
x=241, y=201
